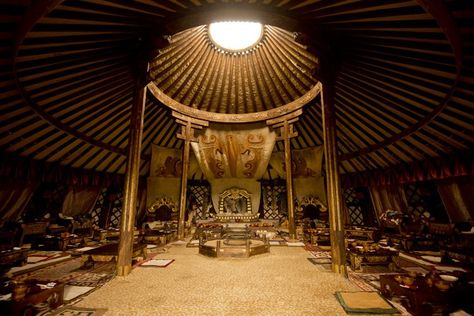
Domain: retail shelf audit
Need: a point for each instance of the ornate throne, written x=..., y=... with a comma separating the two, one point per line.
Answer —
x=235, y=204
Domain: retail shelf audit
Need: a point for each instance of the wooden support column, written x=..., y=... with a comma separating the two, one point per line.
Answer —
x=188, y=125
x=285, y=124
x=336, y=215
x=129, y=209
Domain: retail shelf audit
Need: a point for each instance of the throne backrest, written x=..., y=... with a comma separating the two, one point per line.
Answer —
x=235, y=194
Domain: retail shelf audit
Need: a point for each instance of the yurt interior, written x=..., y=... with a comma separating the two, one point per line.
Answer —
x=236, y=157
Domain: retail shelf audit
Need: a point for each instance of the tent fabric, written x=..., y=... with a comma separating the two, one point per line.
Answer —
x=390, y=197
x=79, y=200
x=13, y=200
x=433, y=169
x=457, y=197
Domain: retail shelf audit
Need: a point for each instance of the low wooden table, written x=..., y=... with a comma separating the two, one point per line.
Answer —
x=366, y=233
x=411, y=242
x=111, y=235
x=27, y=229
x=12, y=257
x=109, y=252
x=421, y=299
x=462, y=254
x=160, y=236
x=319, y=236
x=379, y=257
x=58, y=242
x=53, y=296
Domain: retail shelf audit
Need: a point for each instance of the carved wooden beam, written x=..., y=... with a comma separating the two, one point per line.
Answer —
x=188, y=125
x=129, y=209
x=336, y=215
x=286, y=127
x=200, y=115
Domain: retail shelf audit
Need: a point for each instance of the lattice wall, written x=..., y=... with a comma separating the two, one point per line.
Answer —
x=99, y=206
x=200, y=194
x=353, y=206
x=274, y=199
x=415, y=200
x=108, y=208
x=116, y=211
x=424, y=197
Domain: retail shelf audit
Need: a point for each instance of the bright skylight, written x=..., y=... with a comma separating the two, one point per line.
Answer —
x=235, y=36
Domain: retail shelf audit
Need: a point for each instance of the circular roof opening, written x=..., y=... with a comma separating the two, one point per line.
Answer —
x=235, y=36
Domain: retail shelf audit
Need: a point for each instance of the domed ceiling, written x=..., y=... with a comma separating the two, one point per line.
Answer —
x=197, y=73
x=404, y=75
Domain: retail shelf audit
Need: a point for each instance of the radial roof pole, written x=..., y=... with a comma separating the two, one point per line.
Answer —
x=336, y=216
x=129, y=209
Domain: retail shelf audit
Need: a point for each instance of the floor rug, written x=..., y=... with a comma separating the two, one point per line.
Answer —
x=320, y=260
x=356, y=279
x=35, y=259
x=295, y=244
x=320, y=254
x=365, y=302
x=56, y=271
x=73, y=291
x=277, y=243
x=193, y=243
x=157, y=263
x=79, y=311
x=91, y=279
x=29, y=267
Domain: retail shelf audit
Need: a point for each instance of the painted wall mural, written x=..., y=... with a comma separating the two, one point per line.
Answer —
x=240, y=152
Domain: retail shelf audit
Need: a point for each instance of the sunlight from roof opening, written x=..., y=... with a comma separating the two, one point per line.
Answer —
x=235, y=36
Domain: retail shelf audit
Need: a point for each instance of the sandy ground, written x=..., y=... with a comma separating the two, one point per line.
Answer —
x=282, y=282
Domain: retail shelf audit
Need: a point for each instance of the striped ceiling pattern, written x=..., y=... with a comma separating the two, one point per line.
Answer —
x=198, y=74
x=404, y=89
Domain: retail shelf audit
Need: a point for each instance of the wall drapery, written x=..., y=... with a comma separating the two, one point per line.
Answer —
x=306, y=171
x=13, y=199
x=390, y=197
x=234, y=156
x=79, y=200
x=458, y=198
x=432, y=169
x=165, y=175
x=31, y=171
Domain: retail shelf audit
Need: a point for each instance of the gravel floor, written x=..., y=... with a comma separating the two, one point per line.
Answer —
x=282, y=282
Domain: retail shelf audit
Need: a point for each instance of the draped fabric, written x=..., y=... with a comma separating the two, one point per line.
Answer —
x=306, y=172
x=433, y=169
x=306, y=163
x=390, y=197
x=165, y=162
x=79, y=200
x=32, y=171
x=165, y=175
x=234, y=156
x=457, y=195
x=234, y=152
x=13, y=199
